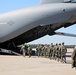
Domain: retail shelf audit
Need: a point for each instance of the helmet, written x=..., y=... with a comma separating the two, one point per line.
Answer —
x=59, y=43
x=56, y=44
x=62, y=42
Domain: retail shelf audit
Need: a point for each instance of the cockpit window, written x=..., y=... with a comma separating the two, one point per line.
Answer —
x=70, y=1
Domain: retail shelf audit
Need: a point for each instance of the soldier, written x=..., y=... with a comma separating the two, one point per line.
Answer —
x=29, y=51
x=48, y=51
x=63, y=53
x=59, y=54
x=42, y=50
x=74, y=58
x=37, y=50
x=56, y=51
x=51, y=50
x=24, y=49
x=45, y=50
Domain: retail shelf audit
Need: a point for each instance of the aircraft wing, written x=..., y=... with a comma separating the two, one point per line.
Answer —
x=65, y=34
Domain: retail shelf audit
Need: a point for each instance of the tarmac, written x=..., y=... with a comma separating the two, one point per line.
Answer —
x=18, y=65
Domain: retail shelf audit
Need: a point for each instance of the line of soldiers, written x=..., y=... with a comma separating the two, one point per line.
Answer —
x=26, y=49
x=57, y=52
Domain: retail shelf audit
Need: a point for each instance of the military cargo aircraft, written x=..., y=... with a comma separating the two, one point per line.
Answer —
x=28, y=24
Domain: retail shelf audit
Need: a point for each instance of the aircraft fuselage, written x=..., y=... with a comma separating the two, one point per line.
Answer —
x=15, y=23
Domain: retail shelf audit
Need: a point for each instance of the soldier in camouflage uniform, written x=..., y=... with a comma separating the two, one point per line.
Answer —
x=56, y=51
x=51, y=50
x=29, y=51
x=59, y=54
x=48, y=51
x=24, y=49
x=45, y=50
x=63, y=53
x=39, y=50
x=74, y=58
x=42, y=50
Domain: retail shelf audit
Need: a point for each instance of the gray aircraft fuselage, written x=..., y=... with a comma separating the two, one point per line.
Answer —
x=14, y=24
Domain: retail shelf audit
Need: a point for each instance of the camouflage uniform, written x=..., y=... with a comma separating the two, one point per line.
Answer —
x=51, y=50
x=56, y=51
x=39, y=50
x=42, y=50
x=45, y=50
x=29, y=51
x=59, y=54
x=74, y=58
x=24, y=50
x=63, y=53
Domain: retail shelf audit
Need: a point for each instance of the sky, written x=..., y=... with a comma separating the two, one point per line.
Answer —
x=11, y=5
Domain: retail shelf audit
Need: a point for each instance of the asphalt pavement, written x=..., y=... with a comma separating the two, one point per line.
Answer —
x=18, y=65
